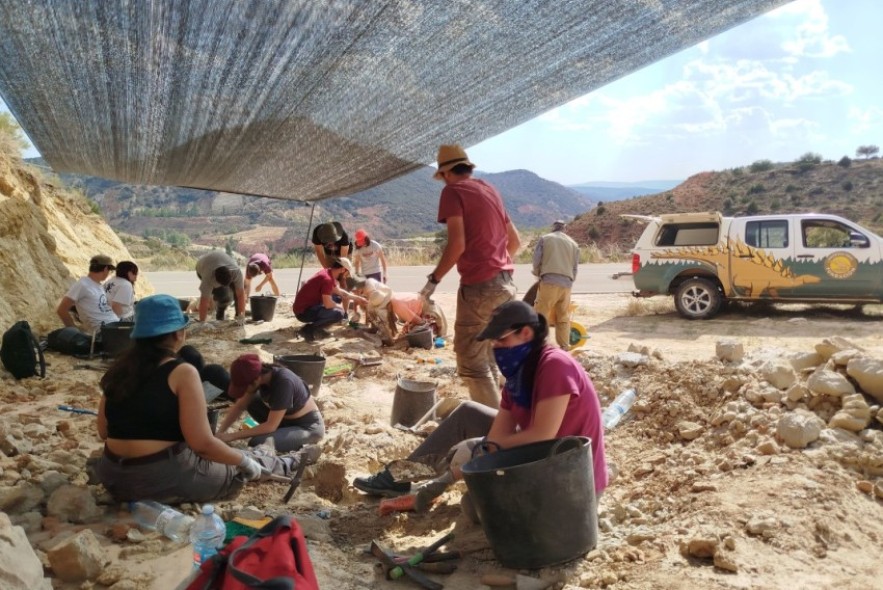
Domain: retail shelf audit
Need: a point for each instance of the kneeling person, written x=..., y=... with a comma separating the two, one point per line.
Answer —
x=277, y=399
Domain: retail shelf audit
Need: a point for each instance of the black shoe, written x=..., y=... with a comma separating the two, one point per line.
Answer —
x=381, y=484
x=307, y=333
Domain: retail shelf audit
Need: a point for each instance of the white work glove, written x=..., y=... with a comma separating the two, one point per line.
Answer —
x=249, y=468
x=428, y=289
x=461, y=452
x=240, y=319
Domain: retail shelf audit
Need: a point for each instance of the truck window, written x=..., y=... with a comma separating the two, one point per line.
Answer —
x=688, y=234
x=767, y=234
x=827, y=233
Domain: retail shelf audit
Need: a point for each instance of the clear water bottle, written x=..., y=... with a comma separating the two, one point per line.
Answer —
x=207, y=535
x=161, y=518
x=618, y=408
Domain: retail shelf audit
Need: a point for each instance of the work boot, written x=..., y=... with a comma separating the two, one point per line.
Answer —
x=307, y=333
x=381, y=484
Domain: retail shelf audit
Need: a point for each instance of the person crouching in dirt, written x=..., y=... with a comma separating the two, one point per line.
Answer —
x=547, y=395
x=260, y=264
x=277, y=399
x=384, y=308
x=152, y=417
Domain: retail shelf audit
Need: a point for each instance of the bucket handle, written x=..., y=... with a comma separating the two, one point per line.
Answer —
x=484, y=447
x=569, y=442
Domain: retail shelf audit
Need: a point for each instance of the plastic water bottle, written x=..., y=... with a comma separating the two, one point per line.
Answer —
x=206, y=535
x=618, y=408
x=161, y=518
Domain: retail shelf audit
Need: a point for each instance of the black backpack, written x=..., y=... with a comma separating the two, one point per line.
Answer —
x=21, y=353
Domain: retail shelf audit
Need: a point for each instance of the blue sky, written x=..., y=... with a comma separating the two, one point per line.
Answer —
x=799, y=79
x=802, y=78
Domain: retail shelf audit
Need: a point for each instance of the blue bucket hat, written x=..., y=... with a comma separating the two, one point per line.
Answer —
x=157, y=315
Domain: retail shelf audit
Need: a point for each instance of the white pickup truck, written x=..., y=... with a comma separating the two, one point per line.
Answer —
x=704, y=260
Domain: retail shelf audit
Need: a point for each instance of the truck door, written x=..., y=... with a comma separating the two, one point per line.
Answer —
x=761, y=250
x=845, y=258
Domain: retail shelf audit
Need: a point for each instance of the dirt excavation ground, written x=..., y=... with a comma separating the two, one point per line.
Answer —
x=707, y=492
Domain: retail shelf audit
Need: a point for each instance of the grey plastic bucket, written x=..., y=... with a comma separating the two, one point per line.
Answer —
x=263, y=307
x=116, y=337
x=420, y=338
x=411, y=401
x=309, y=367
x=536, y=502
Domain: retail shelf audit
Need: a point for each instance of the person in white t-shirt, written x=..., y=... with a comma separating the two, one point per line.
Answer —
x=120, y=290
x=368, y=257
x=89, y=297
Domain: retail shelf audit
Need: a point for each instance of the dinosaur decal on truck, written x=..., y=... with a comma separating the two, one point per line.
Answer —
x=705, y=259
x=752, y=272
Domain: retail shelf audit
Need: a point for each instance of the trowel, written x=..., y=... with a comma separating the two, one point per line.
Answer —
x=518, y=581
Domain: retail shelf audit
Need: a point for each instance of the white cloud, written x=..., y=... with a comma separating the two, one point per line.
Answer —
x=810, y=37
x=864, y=120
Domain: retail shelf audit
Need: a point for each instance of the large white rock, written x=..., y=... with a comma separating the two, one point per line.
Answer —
x=20, y=568
x=799, y=428
x=73, y=504
x=855, y=414
x=729, y=350
x=778, y=373
x=825, y=382
x=829, y=346
x=868, y=372
x=77, y=558
x=801, y=361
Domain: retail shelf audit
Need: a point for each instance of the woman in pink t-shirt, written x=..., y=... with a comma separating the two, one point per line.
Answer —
x=547, y=395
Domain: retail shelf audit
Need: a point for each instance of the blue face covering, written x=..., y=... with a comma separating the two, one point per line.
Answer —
x=511, y=361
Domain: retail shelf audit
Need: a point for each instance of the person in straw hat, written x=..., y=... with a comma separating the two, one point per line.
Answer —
x=481, y=242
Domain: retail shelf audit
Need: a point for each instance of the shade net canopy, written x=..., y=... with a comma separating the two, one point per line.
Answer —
x=309, y=99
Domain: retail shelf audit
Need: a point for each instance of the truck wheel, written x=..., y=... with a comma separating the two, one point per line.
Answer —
x=698, y=299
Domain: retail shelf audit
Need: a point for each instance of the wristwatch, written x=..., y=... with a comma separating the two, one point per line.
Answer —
x=432, y=279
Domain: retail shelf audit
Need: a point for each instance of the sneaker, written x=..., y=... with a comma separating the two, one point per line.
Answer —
x=381, y=484
x=307, y=333
x=320, y=333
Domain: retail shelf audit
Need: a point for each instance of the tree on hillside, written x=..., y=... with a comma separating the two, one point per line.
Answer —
x=808, y=161
x=10, y=131
x=866, y=151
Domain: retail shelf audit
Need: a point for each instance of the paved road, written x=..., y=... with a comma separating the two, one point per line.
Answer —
x=592, y=278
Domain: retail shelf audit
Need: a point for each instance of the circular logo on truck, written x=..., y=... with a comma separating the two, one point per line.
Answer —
x=841, y=265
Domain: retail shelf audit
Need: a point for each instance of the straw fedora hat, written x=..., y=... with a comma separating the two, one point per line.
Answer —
x=448, y=157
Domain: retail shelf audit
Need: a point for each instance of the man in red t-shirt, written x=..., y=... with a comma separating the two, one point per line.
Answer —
x=314, y=304
x=481, y=242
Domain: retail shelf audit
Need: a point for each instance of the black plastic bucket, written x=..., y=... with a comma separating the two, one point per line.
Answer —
x=411, y=401
x=420, y=337
x=116, y=337
x=536, y=502
x=309, y=367
x=263, y=307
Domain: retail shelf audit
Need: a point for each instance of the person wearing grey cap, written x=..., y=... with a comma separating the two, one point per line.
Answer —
x=88, y=297
x=555, y=264
x=547, y=395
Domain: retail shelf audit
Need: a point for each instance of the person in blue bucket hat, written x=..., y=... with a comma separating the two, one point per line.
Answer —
x=158, y=443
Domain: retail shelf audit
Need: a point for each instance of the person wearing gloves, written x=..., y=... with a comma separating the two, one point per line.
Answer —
x=320, y=301
x=277, y=399
x=368, y=258
x=218, y=274
x=120, y=290
x=260, y=264
x=481, y=242
x=547, y=395
x=384, y=308
x=331, y=242
x=153, y=420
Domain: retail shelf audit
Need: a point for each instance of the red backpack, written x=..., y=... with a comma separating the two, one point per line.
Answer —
x=273, y=558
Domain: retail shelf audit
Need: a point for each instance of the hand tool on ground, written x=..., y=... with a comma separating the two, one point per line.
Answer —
x=292, y=481
x=388, y=564
x=418, y=557
x=77, y=410
x=520, y=581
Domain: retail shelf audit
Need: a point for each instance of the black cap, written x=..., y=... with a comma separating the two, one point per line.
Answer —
x=507, y=315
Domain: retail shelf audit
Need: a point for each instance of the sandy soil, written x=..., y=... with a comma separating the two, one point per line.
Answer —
x=731, y=508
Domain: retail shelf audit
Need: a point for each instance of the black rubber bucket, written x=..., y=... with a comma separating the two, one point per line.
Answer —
x=309, y=367
x=263, y=307
x=411, y=401
x=536, y=502
x=116, y=337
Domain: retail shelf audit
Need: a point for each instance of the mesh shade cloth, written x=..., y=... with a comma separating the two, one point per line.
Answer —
x=308, y=99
